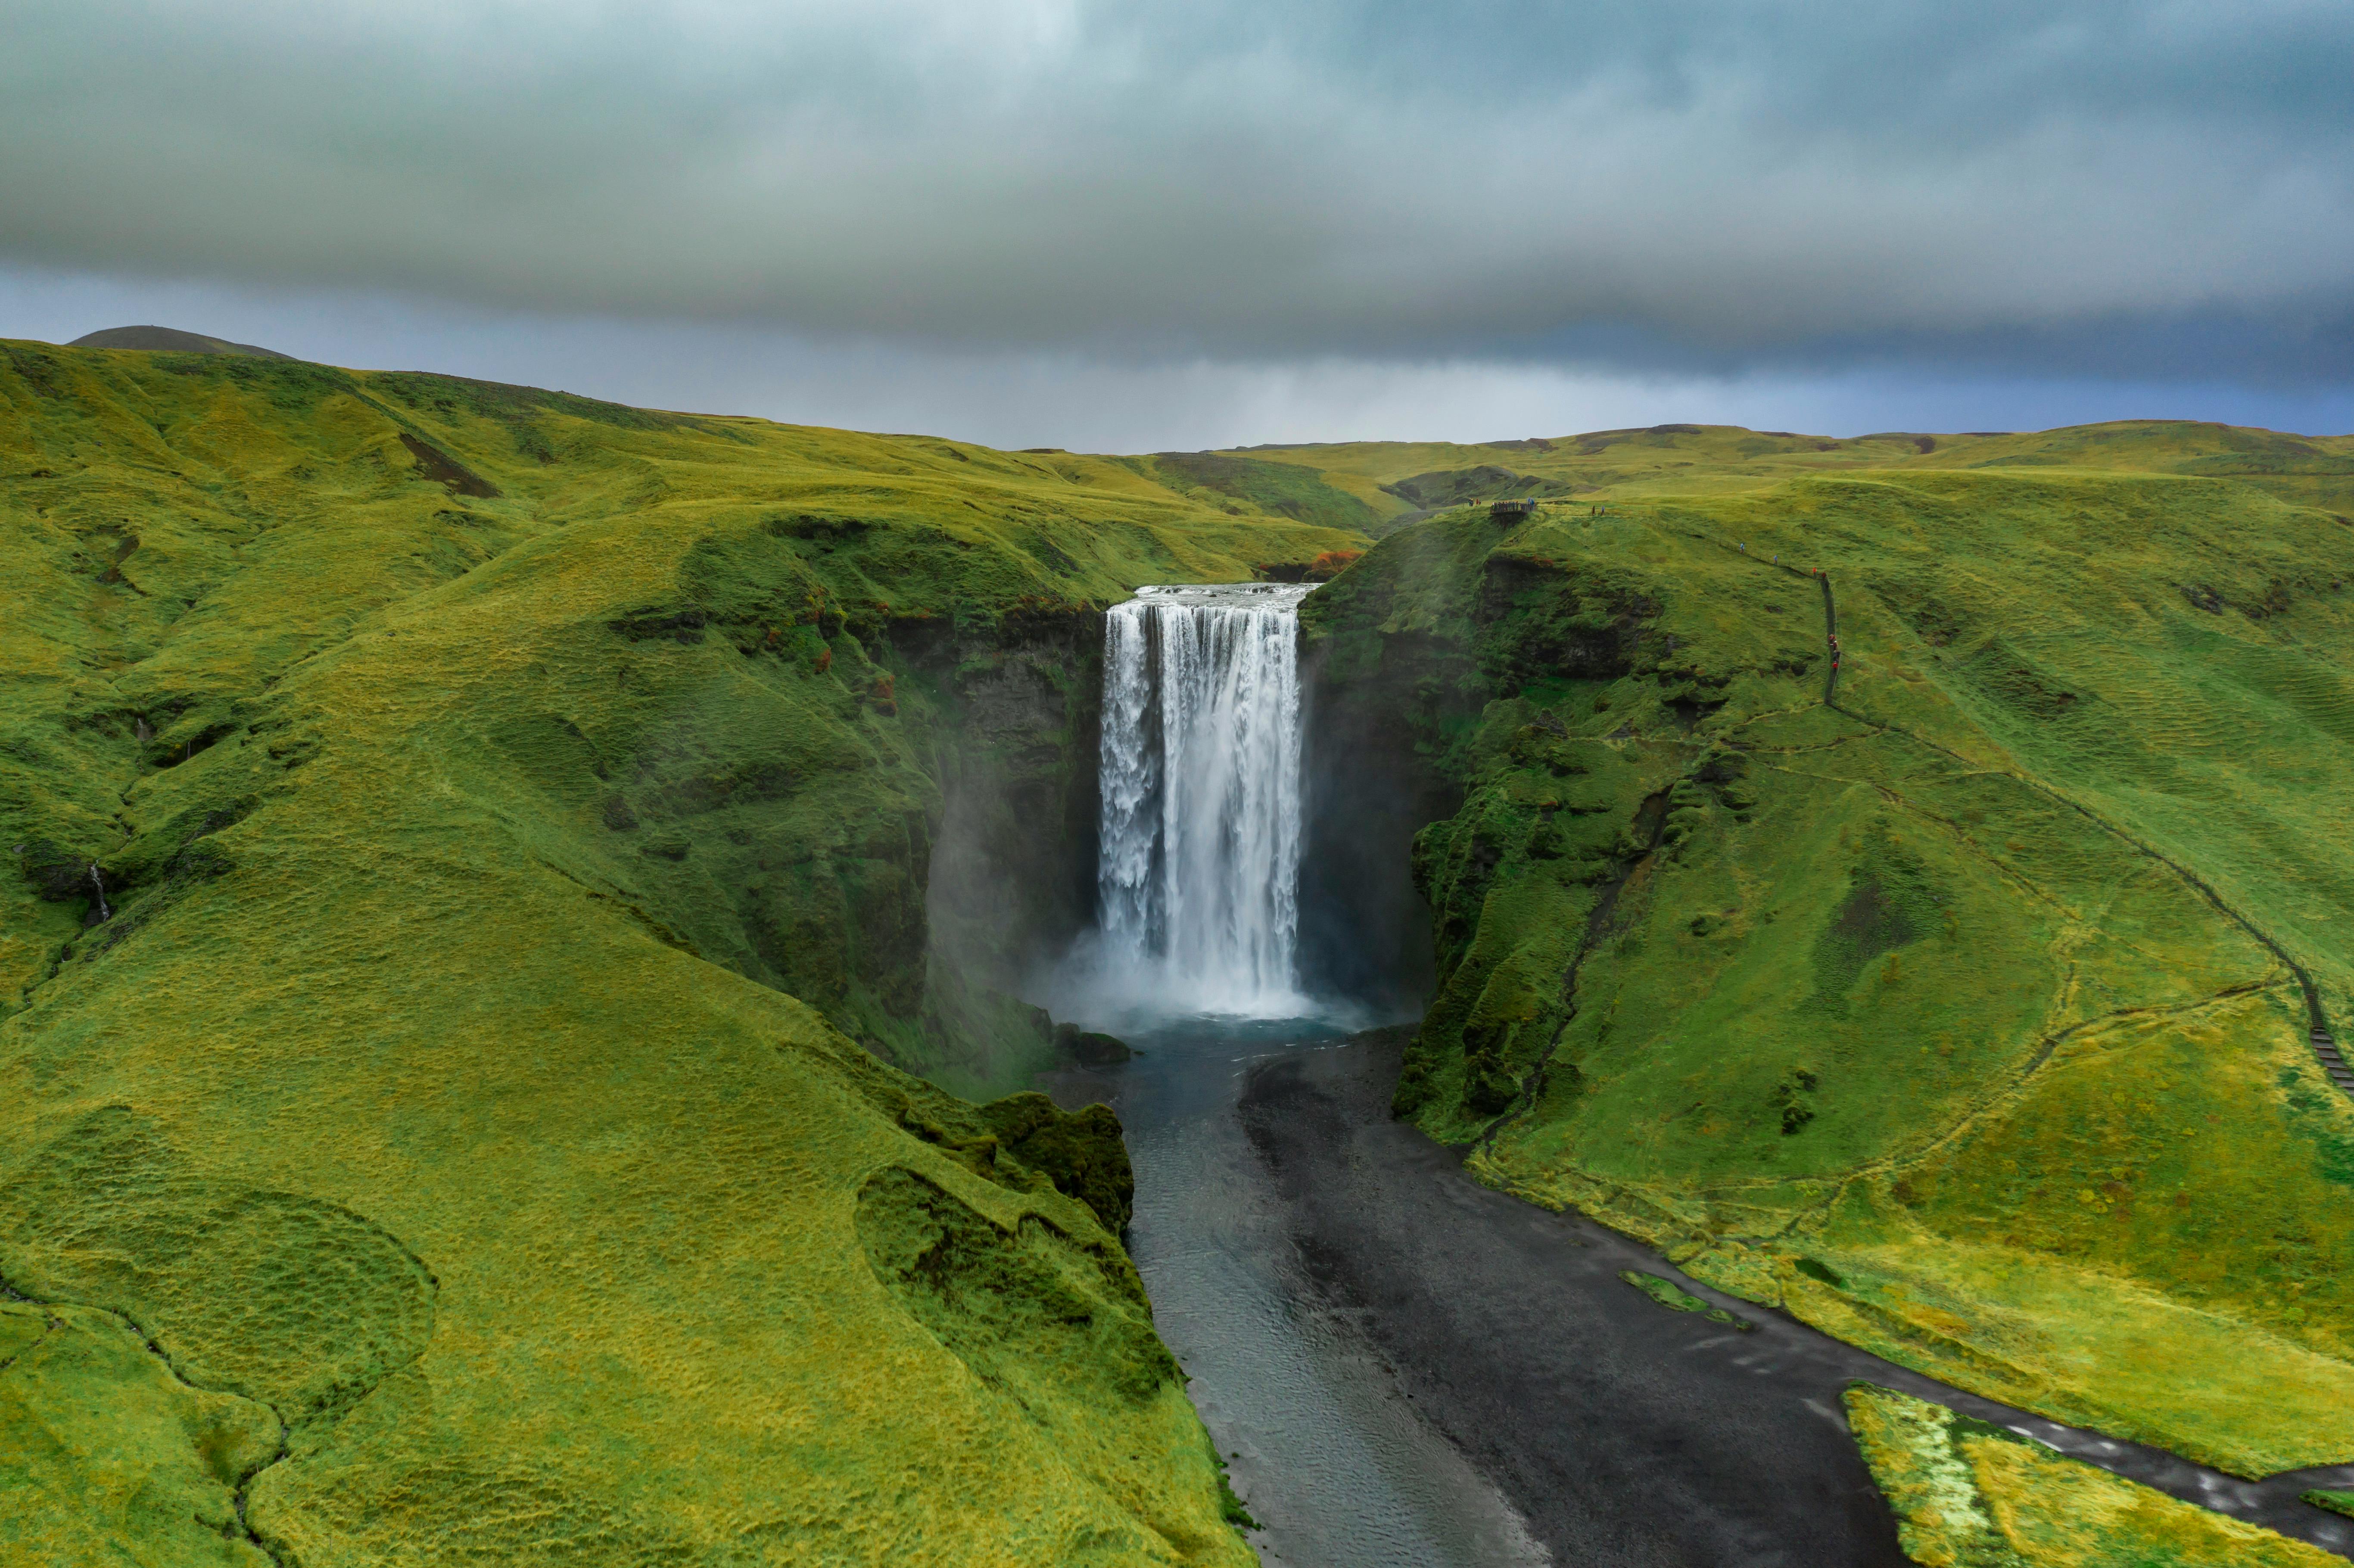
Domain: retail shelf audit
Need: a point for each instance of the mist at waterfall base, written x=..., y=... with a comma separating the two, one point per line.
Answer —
x=1200, y=833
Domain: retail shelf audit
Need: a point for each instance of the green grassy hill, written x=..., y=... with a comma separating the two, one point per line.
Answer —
x=483, y=856
x=1963, y=1015
x=449, y=1146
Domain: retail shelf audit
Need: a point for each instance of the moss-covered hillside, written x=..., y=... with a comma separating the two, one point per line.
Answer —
x=451, y=830
x=1963, y=1008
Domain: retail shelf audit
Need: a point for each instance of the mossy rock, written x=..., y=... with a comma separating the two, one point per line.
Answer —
x=1080, y=1151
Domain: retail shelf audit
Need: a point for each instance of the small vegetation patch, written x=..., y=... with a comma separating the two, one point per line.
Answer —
x=111, y=1457
x=1230, y=1507
x=1080, y=1151
x=1891, y=902
x=1793, y=1099
x=298, y=1303
x=1024, y=1306
x=1669, y=1294
x=1816, y=1269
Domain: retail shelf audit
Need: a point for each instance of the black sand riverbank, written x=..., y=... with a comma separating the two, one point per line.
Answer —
x=1625, y=1434
x=1622, y=1433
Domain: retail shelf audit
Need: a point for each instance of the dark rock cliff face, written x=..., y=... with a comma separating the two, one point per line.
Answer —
x=1365, y=931
x=908, y=888
x=1013, y=872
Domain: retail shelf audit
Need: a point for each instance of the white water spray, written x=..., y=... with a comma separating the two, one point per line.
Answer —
x=1199, y=882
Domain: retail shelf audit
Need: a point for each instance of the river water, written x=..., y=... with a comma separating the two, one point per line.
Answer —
x=1197, y=900
x=1323, y=1445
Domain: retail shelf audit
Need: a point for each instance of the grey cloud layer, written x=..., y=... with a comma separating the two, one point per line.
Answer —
x=1719, y=183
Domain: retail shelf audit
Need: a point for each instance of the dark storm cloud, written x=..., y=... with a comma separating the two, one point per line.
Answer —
x=2096, y=186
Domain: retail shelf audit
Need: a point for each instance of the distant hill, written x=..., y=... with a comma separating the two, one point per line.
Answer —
x=1404, y=481
x=173, y=339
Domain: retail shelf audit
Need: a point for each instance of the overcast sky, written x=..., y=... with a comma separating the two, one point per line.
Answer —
x=1154, y=225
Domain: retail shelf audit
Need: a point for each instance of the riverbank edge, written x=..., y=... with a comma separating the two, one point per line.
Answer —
x=1360, y=1077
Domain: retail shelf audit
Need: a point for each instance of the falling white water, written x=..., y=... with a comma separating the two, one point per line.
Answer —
x=1199, y=880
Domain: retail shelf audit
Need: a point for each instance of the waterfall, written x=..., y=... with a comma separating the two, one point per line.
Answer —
x=1198, y=888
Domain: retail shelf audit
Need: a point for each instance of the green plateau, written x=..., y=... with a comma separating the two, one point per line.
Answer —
x=508, y=985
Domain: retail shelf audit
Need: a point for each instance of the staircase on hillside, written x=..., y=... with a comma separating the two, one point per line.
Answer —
x=2325, y=1049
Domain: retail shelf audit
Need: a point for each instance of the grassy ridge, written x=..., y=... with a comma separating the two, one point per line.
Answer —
x=1911, y=1013
x=1282, y=490
x=499, y=800
x=1602, y=466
